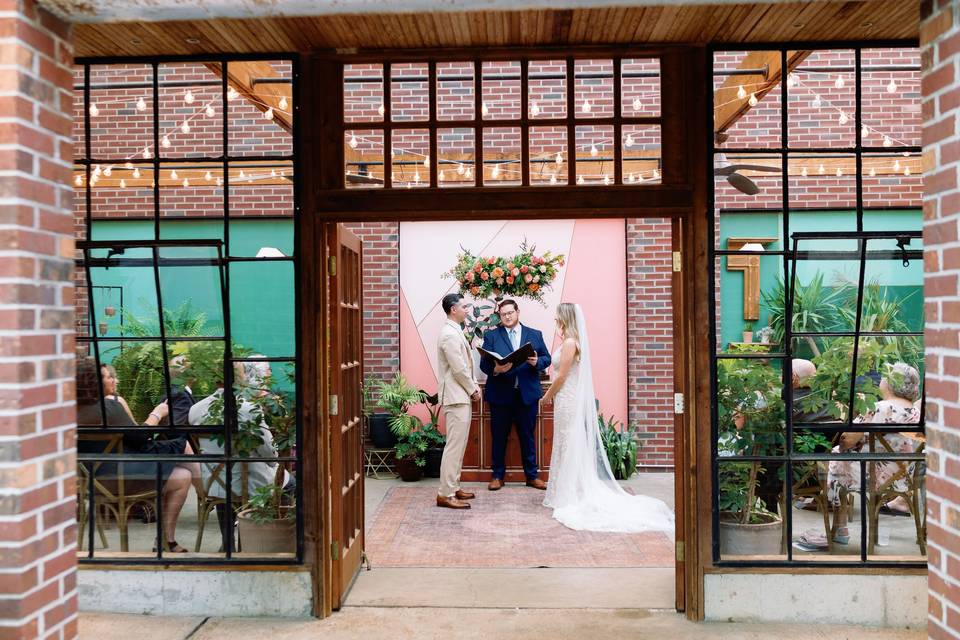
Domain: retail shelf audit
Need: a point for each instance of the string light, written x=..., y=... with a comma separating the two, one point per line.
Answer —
x=637, y=105
x=232, y=94
x=741, y=92
x=821, y=169
x=165, y=142
x=208, y=176
x=128, y=166
x=496, y=171
x=791, y=80
x=78, y=180
x=188, y=97
x=94, y=111
x=185, y=127
x=553, y=178
x=887, y=141
x=803, y=172
x=461, y=169
x=629, y=142
x=97, y=171
x=839, y=172
x=892, y=86
x=123, y=183
x=594, y=151
x=587, y=107
x=873, y=172
x=843, y=118
x=93, y=181
x=141, y=104
x=483, y=110
x=896, y=165
x=353, y=141
x=816, y=101
x=243, y=174
x=416, y=176
x=268, y=114
x=441, y=176
x=580, y=179
x=381, y=110
x=146, y=153
x=108, y=171
x=219, y=181
x=136, y=172
x=606, y=180
x=186, y=183
x=839, y=83
x=865, y=132
x=426, y=161
x=535, y=109
x=559, y=158
x=469, y=172
x=173, y=174
x=656, y=174
x=906, y=170
x=209, y=111
x=753, y=100
x=283, y=103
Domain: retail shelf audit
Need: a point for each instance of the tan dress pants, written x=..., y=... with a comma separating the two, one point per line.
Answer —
x=457, y=418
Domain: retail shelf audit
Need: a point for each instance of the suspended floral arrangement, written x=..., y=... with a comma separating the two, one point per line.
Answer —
x=524, y=275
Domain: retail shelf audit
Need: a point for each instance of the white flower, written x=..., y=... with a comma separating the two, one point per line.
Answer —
x=536, y=278
x=543, y=268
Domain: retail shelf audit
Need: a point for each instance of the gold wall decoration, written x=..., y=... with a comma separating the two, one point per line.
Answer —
x=750, y=266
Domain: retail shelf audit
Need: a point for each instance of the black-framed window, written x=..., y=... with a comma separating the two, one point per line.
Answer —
x=817, y=381
x=186, y=220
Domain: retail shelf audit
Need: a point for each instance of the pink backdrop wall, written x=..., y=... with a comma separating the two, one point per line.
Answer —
x=594, y=277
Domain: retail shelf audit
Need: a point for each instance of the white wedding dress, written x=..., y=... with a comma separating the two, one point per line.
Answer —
x=582, y=491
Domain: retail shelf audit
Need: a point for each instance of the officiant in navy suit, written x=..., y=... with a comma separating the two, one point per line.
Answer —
x=513, y=393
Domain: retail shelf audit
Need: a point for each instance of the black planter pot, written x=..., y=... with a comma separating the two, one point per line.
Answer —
x=434, y=457
x=380, y=433
x=408, y=470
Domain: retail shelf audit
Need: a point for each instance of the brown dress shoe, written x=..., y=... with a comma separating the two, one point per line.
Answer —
x=537, y=483
x=495, y=485
x=452, y=503
x=464, y=495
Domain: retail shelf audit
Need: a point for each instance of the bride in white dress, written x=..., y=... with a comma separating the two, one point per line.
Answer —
x=582, y=491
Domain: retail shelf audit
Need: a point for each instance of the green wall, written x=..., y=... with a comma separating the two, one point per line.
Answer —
x=901, y=282
x=261, y=293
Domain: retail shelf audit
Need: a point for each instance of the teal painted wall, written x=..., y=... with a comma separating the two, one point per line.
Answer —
x=902, y=282
x=261, y=293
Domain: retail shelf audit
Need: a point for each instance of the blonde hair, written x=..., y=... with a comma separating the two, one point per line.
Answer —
x=567, y=318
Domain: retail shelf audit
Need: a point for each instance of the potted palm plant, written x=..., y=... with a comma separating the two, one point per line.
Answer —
x=378, y=422
x=396, y=398
x=435, y=440
x=620, y=444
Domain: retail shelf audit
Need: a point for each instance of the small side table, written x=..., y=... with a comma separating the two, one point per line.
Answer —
x=379, y=461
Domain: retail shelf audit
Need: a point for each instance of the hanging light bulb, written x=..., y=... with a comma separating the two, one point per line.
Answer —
x=843, y=119
x=108, y=171
x=283, y=104
x=580, y=179
x=186, y=182
x=94, y=111
x=93, y=181
x=587, y=107
x=816, y=101
x=128, y=166
x=606, y=180
x=873, y=172
x=209, y=111
x=483, y=110
x=637, y=104
x=426, y=161
x=803, y=172
x=219, y=181
x=631, y=178
x=753, y=100
x=273, y=173
x=906, y=170
x=208, y=176
x=839, y=172
x=146, y=153
x=381, y=109
x=469, y=172
x=791, y=80
x=173, y=174
x=741, y=92
x=188, y=97
x=416, y=176
x=496, y=171
x=892, y=86
x=136, y=172
x=887, y=141
x=864, y=132
x=243, y=174
x=141, y=104
x=839, y=83
x=441, y=176
x=594, y=151
x=353, y=141
x=232, y=93
x=185, y=127
x=97, y=171
x=553, y=178
x=165, y=142
x=535, y=109
x=656, y=174
x=821, y=169
x=78, y=180
x=123, y=183
x=268, y=114
x=896, y=165
x=629, y=142
x=559, y=158
x=461, y=169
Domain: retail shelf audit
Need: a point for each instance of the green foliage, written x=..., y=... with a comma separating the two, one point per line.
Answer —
x=814, y=309
x=748, y=326
x=621, y=445
x=414, y=437
x=266, y=504
x=830, y=387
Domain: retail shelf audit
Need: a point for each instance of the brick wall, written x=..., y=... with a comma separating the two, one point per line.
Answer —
x=940, y=39
x=38, y=597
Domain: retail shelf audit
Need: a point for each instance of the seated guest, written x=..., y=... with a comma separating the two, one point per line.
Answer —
x=803, y=373
x=175, y=477
x=899, y=389
x=250, y=419
x=181, y=396
x=110, y=384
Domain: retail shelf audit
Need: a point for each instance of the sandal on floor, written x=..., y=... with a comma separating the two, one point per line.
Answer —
x=890, y=511
x=841, y=538
x=171, y=546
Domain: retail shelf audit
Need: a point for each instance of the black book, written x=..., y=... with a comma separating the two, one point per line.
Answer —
x=516, y=358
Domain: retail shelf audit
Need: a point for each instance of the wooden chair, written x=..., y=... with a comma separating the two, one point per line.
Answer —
x=115, y=494
x=207, y=503
x=914, y=478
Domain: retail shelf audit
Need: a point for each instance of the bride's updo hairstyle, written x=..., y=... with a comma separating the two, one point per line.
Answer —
x=567, y=317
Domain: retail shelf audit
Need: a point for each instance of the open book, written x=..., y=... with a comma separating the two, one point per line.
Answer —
x=516, y=358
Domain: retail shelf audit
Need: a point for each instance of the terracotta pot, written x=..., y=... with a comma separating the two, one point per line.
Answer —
x=748, y=336
x=408, y=470
x=764, y=538
x=109, y=311
x=275, y=536
x=103, y=328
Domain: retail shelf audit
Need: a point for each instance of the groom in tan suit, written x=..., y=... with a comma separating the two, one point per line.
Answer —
x=458, y=389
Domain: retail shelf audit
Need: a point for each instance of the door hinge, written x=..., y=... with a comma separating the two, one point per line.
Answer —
x=332, y=266
x=334, y=405
x=335, y=549
x=680, y=551
x=678, y=403
x=677, y=262
x=365, y=561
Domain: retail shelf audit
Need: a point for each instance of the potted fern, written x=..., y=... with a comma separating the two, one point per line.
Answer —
x=396, y=398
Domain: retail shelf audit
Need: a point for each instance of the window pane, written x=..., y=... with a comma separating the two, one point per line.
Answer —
x=261, y=108
x=121, y=203
x=897, y=490
x=501, y=156
x=747, y=99
x=547, y=88
x=593, y=88
x=363, y=93
x=548, y=151
x=457, y=149
x=594, y=148
x=409, y=92
x=191, y=110
x=891, y=97
x=410, y=157
x=456, y=91
x=641, y=160
x=750, y=527
x=191, y=190
x=822, y=181
x=892, y=180
x=262, y=307
x=501, y=91
x=363, y=159
x=748, y=181
x=191, y=286
x=823, y=101
x=640, y=87
x=121, y=111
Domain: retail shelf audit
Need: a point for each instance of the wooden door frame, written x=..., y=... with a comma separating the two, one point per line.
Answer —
x=683, y=196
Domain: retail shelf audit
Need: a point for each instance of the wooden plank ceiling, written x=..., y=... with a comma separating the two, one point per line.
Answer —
x=728, y=23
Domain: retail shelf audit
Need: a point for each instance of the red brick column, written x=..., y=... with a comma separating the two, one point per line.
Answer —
x=940, y=38
x=38, y=596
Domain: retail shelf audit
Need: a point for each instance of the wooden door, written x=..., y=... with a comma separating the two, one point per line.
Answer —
x=680, y=414
x=345, y=408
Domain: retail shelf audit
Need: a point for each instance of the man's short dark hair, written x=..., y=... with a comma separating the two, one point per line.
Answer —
x=516, y=307
x=450, y=301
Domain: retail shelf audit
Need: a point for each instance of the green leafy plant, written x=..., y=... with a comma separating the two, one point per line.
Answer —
x=814, y=309
x=748, y=326
x=396, y=396
x=268, y=503
x=621, y=445
x=830, y=386
x=435, y=439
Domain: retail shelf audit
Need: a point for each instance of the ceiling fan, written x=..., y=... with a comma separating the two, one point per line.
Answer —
x=738, y=181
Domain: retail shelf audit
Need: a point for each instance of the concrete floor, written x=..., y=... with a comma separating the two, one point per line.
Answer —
x=469, y=624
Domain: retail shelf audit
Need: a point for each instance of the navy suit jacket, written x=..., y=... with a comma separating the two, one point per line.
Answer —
x=499, y=388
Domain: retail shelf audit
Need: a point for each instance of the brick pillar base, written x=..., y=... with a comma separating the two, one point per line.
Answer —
x=38, y=597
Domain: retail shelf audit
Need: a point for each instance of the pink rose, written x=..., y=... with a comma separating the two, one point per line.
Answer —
x=470, y=276
x=491, y=260
x=515, y=272
x=484, y=276
x=528, y=278
x=478, y=267
x=524, y=269
x=500, y=282
x=509, y=279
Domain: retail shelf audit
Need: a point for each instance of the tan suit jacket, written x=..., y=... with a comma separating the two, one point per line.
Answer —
x=455, y=366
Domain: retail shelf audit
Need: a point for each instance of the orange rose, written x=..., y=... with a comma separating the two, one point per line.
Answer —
x=474, y=290
x=497, y=272
x=470, y=276
x=484, y=275
x=509, y=266
x=533, y=287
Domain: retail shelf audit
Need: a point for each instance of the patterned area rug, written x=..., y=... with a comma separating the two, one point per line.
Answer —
x=509, y=528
